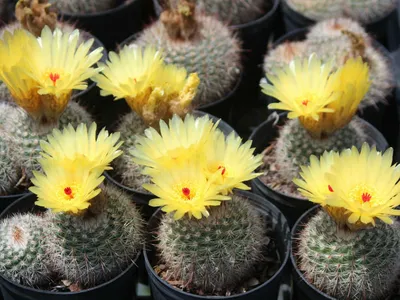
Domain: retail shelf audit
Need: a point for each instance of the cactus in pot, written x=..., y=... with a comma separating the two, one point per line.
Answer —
x=153, y=90
x=207, y=242
x=364, y=11
x=91, y=232
x=40, y=82
x=321, y=104
x=350, y=248
x=199, y=43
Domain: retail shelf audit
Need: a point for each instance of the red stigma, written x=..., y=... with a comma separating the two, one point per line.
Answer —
x=68, y=192
x=223, y=169
x=366, y=197
x=186, y=192
x=305, y=102
x=54, y=77
x=330, y=188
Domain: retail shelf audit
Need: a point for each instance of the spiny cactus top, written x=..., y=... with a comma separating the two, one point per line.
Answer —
x=152, y=89
x=193, y=166
x=323, y=100
x=355, y=187
x=73, y=162
x=41, y=80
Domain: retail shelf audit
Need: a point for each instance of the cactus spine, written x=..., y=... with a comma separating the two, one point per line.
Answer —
x=95, y=247
x=364, y=11
x=22, y=255
x=349, y=265
x=202, y=45
x=78, y=6
x=217, y=252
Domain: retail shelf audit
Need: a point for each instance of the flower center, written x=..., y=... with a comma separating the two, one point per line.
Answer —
x=366, y=197
x=305, y=102
x=68, y=192
x=364, y=194
x=223, y=170
x=330, y=188
x=54, y=77
x=186, y=192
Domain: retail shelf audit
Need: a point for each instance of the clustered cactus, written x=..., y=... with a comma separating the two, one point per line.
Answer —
x=350, y=248
x=40, y=83
x=207, y=245
x=91, y=232
x=234, y=12
x=364, y=11
x=339, y=39
x=201, y=44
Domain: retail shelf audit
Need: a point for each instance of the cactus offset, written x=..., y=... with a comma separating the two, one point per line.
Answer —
x=22, y=255
x=295, y=145
x=217, y=252
x=94, y=247
x=234, y=12
x=79, y=6
x=361, y=10
x=349, y=265
x=211, y=51
x=130, y=172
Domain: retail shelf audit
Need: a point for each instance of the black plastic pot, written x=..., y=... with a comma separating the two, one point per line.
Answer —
x=293, y=207
x=161, y=290
x=383, y=117
x=122, y=285
x=6, y=201
x=384, y=30
x=143, y=198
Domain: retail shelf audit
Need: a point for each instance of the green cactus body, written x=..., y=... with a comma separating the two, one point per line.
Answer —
x=295, y=145
x=364, y=11
x=214, y=253
x=25, y=134
x=82, y=7
x=214, y=54
x=22, y=255
x=234, y=12
x=93, y=248
x=349, y=265
x=130, y=172
x=10, y=171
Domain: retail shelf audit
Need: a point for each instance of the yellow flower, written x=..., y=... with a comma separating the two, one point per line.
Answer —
x=153, y=90
x=354, y=187
x=322, y=100
x=64, y=191
x=313, y=184
x=366, y=184
x=232, y=161
x=184, y=191
x=303, y=88
x=72, y=149
x=175, y=145
x=52, y=66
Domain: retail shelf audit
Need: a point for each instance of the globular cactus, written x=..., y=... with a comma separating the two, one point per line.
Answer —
x=82, y=7
x=364, y=11
x=4, y=93
x=94, y=247
x=22, y=255
x=212, y=52
x=25, y=134
x=295, y=145
x=130, y=172
x=234, y=12
x=358, y=265
x=10, y=170
x=214, y=253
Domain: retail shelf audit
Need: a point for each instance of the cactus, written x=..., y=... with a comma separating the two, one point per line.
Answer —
x=210, y=50
x=83, y=7
x=214, y=253
x=295, y=145
x=22, y=255
x=357, y=265
x=25, y=134
x=130, y=172
x=4, y=93
x=10, y=171
x=234, y=12
x=364, y=11
x=94, y=247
